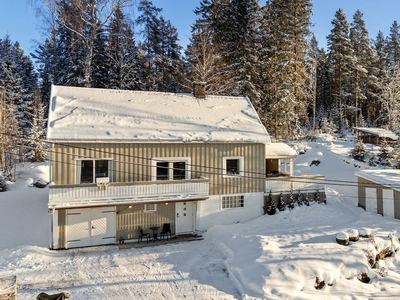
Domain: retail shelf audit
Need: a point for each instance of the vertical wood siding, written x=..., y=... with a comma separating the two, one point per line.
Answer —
x=396, y=204
x=131, y=220
x=132, y=162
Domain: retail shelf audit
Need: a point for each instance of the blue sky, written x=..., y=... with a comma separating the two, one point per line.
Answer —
x=17, y=17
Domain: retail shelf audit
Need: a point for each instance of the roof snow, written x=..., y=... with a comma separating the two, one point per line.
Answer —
x=380, y=132
x=279, y=150
x=386, y=177
x=88, y=114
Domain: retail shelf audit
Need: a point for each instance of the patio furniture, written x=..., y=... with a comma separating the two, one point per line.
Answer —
x=142, y=234
x=166, y=230
x=155, y=230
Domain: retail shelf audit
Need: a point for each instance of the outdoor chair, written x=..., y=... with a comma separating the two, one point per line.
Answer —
x=142, y=235
x=166, y=229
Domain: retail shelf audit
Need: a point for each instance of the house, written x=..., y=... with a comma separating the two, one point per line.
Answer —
x=379, y=191
x=375, y=135
x=125, y=161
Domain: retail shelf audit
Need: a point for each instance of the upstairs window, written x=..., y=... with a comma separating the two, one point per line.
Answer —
x=233, y=166
x=171, y=169
x=90, y=169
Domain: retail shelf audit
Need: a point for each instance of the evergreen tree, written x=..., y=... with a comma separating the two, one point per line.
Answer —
x=291, y=199
x=299, y=201
x=385, y=156
x=288, y=95
x=151, y=38
x=307, y=200
x=37, y=143
x=392, y=47
x=281, y=203
x=359, y=151
x=340, y=56
x=363, y=59
x=271, y=208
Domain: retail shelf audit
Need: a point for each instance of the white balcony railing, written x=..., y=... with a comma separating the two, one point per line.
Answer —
x=304, y=183
x=62, y=196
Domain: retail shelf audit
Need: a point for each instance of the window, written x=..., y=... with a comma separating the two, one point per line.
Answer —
x=233, y=166
x=90, y=169
x=285, y=165
x=232, y=201
x=150, y=207
x=171, y=169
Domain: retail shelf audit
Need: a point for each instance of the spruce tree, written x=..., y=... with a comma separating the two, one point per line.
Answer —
x=363, y=56
x=281, y=203
x=340, y=57
x=385, y=156
x=359, y=151
x=291, y=199
x=299, y=200
x=271, y=207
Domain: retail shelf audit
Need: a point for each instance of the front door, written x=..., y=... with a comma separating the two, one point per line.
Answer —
x=184, y=217
x=90, y=227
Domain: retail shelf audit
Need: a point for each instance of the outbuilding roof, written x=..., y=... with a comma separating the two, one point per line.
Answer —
x=380, y=132
x=88, y=114
x=387, y=177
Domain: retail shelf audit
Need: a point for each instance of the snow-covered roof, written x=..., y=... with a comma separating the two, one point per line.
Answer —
x=279, y=150
x=378, y=132
x=387, y=177
x=88, y=114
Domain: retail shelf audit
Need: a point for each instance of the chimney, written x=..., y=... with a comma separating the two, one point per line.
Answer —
x=199, y=89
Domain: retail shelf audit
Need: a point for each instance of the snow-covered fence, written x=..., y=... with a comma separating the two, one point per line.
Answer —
x=129, y=192
x=304, y=183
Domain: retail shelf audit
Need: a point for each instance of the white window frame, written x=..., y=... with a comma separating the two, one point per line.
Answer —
x=229, y=196
x=286, y=164
x=150, y=210
x=241, y=166
x=170, y=161
x=78, y=163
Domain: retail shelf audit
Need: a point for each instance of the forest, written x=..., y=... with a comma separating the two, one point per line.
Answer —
x=238, y=47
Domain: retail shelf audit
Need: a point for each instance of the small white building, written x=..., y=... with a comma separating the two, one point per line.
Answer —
x=379, y=191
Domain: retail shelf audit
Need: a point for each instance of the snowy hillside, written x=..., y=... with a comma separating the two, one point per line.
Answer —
x=271, y=257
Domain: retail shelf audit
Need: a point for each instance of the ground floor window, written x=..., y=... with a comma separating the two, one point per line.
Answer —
x=150, y=207
x=232, y=201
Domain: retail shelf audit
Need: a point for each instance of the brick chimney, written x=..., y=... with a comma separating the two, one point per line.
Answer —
x=199, y=89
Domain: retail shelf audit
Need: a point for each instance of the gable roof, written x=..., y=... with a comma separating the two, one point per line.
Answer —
x=88, y=114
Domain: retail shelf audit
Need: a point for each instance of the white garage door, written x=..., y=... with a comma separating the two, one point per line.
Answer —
x=388, y=203
x=371, y=201
x=90, y=227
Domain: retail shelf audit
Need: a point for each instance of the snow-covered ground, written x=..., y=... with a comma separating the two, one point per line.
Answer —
x=271, y=257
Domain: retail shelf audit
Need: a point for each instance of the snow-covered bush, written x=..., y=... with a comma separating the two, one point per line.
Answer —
x=359, y=151
x=365, y=232
x=353, y=235
x=372, y=160
x=397, y=154
x=385, y=156
x=342, y=238
x=3, y=184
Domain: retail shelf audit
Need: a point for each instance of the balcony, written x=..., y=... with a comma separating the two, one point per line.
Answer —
x=79, y=195
x=305, y=183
